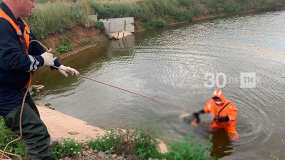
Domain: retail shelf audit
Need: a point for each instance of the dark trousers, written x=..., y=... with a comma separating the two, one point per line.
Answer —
x=35, y=133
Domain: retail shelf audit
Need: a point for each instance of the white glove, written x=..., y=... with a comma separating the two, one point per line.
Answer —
x=48, y=58
x=64, y=70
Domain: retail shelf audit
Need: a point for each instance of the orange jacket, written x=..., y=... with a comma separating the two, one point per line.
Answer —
x=228, y=108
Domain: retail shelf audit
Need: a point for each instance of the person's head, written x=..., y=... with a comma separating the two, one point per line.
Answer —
x=20, y=8
x=218, y=97
x=217, y=100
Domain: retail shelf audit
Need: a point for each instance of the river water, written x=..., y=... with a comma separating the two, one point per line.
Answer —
x=181, y=67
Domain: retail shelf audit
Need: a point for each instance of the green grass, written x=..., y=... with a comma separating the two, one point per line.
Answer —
x=7, y=136
x=67, y=148
x=143, y=146
x=130, y=142
x=57, y=17
x=188, y=149
x=99, y=25
x=154, y=13
x=150, y=11
x=41, y=1
x=155, y=24
x=136, y=143
x=109, y=142
x=64, y=46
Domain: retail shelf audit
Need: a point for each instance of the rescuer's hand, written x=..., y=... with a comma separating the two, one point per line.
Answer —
x=196, y=116
x=194, y=123
x=66, y=71
x=196, y=119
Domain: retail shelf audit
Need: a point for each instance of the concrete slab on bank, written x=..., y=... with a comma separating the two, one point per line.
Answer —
x=62, y=126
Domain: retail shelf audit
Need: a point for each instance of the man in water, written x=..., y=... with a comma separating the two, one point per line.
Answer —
x=224, y=113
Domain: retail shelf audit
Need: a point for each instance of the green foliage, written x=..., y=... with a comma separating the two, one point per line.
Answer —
x=187, y=3
x=187, y=149
x=41, y=1
x=64, y=46
x=7, y=136
x=145, y=145
x=140, y=144
x=109, y=142
x=184, y=16
x=114, y=9
x=56, y=18
x=130, y=142
x=99, y=25
x=68, y=148
x=181, y=10
x=155, y=24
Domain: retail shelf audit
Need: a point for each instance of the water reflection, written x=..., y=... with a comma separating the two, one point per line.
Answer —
x=221, y=144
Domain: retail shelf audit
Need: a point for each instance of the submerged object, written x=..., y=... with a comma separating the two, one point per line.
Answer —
x=186, y=117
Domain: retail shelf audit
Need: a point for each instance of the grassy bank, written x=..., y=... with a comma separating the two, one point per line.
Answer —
x=116, y=144
x=157, y=13
x=59, y=16
x=7, y=136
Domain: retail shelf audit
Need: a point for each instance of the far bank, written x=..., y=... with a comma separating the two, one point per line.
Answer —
x=65, y=27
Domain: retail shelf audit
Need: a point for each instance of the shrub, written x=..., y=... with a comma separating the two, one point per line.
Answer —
x=188, y=149
x=56, y=17
x=129, y=142
x=64, y=46
x=7, y=136
x=155, y=24
x=145, y=146
x=68, y=148
x=109, y=142
x=99, y=25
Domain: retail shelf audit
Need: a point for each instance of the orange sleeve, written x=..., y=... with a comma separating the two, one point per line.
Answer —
x=207, y=107
x=232, y=112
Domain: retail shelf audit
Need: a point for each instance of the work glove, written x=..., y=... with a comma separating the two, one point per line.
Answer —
x=195, y=119
x=66, y=71
x=48, y=58
x=196, y=116
x=221, y=118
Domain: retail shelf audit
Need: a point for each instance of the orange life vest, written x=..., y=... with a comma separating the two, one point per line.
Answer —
x=24, y=37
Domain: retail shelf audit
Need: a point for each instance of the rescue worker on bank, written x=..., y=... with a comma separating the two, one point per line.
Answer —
x=18, y=59
x=224, y=113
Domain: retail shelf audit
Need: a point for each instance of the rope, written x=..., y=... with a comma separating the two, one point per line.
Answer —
x=4, y=153
x=110, y=85
x=125, y=90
